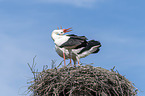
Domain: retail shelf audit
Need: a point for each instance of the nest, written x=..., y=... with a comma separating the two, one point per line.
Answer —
x=81, y=81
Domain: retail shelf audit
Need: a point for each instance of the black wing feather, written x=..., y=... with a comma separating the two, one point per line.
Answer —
x=75, y=40
x=90, y=44
x=77, y=37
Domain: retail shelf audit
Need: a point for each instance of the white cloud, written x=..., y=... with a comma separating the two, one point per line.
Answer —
x=78, y=3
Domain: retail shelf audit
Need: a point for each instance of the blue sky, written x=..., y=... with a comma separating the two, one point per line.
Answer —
x=26, y=26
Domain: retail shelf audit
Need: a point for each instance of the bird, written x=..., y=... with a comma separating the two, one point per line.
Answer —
x=68, y=41
x=72, y=46
x=80, y=52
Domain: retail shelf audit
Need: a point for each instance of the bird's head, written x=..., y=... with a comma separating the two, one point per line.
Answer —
x=61, y=31
x=58, y=32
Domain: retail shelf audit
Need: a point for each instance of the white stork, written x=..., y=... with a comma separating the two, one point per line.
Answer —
x=80, y=52
x=68, y=42
x=65, y=44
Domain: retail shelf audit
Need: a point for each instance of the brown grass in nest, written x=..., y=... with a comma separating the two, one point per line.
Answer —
x=81, y=81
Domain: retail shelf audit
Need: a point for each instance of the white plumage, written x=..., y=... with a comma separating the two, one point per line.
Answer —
x=58, y=37
x=73, y=46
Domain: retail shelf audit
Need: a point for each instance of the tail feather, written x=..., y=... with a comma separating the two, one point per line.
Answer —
x=94, y=43
x=90, y=44
x=92, y=47
x=97, y=50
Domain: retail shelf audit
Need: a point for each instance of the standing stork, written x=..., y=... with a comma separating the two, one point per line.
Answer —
x=68, y=42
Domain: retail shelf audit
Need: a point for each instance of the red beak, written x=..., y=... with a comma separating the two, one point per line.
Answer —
x=67, y=30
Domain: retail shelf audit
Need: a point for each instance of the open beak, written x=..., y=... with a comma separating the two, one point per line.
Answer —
x=67, y=30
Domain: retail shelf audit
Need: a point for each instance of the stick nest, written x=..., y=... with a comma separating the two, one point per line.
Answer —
x=81, y=81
